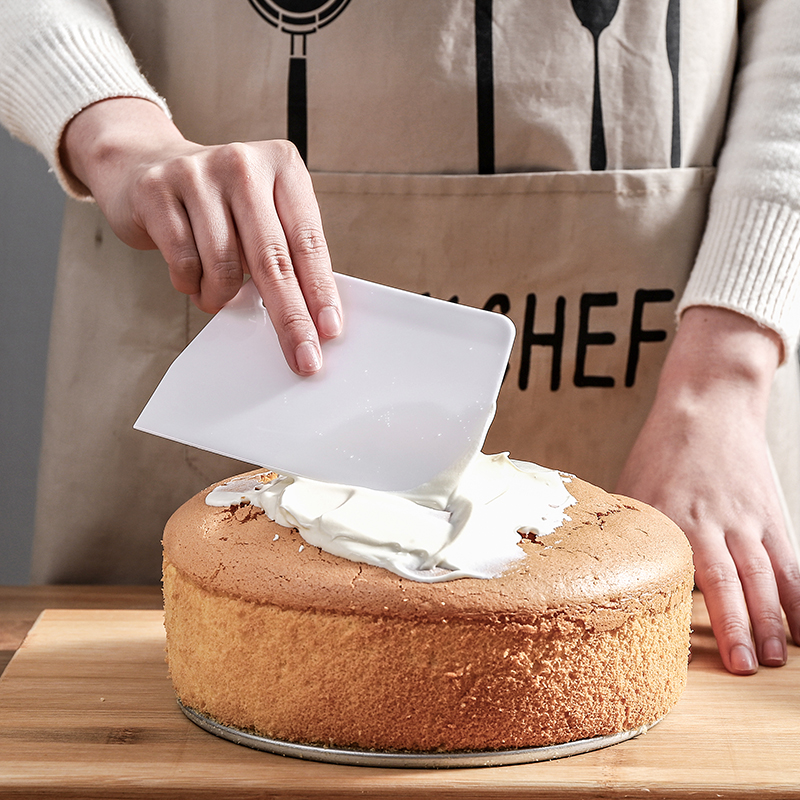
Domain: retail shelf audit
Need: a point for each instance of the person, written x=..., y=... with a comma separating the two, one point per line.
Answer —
x=482, y=154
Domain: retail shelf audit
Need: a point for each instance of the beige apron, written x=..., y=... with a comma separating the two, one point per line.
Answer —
x=588, y=264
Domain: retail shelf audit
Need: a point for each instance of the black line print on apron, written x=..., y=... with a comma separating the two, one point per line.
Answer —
x=673, y=56
x=596, y=16
x=484, y=68
x=298, y=18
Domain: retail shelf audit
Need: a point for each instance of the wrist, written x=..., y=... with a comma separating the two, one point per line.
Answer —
x=106, y=134
x=717, y=352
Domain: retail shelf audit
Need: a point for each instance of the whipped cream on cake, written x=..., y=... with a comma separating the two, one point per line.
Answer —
x=465, y=523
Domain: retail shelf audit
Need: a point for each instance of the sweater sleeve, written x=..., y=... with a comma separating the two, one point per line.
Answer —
x=749, y=259
x=56, y=58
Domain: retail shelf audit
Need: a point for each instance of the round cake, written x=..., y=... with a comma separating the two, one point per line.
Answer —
x=586, y=634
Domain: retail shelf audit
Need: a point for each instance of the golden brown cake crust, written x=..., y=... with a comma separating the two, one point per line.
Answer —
x=612, y=558
x=588, y=635
x=400, y=684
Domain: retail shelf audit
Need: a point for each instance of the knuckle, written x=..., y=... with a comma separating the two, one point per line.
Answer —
x=225, y=259
x=732, y=628
x=320, y=290
x=149, y=184
x=242, y=166
x=308, y=242
x=179, y=171
x=185, y=270
x=185, y=263
x=792, y=606
x=225, y=271
x=767, y=620
x=755, y=570
x=293, y=320
x=789, y=583
x=235, y=158
x=152, y=187
x=236, y=151
x=274, y=260
x=789, y=574
x=717, y=577
x=286, y=151
x=160, y=184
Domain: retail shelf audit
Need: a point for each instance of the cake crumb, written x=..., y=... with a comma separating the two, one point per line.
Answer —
x=246, y=511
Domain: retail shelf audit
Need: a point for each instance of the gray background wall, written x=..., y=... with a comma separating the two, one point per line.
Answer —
x=31, y=206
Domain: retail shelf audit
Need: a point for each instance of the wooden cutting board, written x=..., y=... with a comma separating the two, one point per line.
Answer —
x=87, y=710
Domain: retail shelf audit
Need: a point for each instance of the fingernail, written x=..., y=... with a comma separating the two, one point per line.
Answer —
x=773, y=653
x=329, y=322
x=308, y=358
x=742, y=659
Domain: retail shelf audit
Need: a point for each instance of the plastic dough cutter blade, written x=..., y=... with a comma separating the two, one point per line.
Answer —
x=405, y=391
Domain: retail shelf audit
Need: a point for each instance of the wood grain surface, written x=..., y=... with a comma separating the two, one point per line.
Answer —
x=87, y=711
x=21, y=605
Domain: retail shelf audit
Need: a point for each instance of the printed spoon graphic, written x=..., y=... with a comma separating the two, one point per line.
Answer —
x=596, y=16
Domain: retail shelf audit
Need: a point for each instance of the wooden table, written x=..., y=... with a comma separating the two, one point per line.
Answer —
x=86, y=711
x=21, y=605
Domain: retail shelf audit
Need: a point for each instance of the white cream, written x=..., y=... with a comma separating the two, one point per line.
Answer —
x=432, y=533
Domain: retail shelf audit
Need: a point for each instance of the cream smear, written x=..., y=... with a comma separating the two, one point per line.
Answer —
x=464, y=523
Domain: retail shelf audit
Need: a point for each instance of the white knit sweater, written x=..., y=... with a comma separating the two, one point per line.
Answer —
x=59, y=56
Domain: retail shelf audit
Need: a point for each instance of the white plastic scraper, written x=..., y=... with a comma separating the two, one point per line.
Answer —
x=405, y=391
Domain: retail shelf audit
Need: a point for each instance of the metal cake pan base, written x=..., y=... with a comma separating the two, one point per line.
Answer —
x=370, y=758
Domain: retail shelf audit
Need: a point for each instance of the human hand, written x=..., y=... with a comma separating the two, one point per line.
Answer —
x=702, y=459
x=215, y=213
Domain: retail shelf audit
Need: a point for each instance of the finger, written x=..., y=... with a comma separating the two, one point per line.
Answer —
x=761, y=595
x=270, y=265
x=170, y=229
x=269, y=261
x=787, y=576
x=217, y=244
x=718, y=580
x=301, y=221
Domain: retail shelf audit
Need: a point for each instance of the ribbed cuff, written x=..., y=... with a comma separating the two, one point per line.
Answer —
x=749, y=262
x=61, y=72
